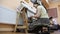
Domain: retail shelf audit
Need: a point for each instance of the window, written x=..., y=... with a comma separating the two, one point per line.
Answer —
x=52, y=12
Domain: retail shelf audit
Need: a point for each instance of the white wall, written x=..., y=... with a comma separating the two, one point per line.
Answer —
x=10, y=3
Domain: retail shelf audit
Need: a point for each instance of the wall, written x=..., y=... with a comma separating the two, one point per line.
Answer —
x=55, y=5
x=12, y=4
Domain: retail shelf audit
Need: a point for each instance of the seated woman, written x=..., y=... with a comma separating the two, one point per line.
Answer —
x=53, y=24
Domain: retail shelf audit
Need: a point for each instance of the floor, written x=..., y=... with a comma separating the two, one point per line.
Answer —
x=12, y=33
x=56, y=32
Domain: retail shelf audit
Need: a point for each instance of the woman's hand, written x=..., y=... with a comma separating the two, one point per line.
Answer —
x=35, y=16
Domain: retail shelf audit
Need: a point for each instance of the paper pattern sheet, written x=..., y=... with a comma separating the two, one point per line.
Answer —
x=7, y=16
